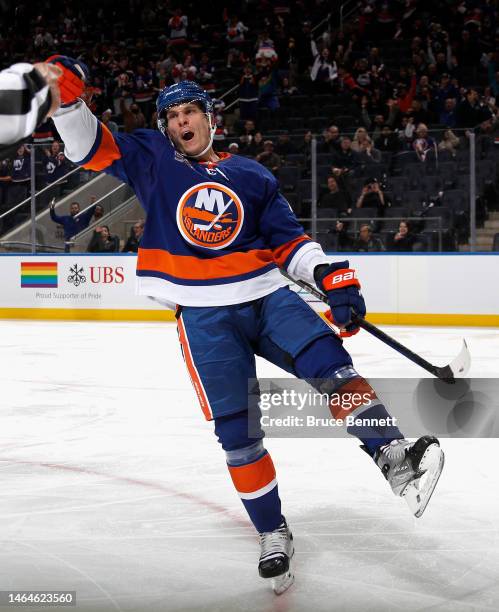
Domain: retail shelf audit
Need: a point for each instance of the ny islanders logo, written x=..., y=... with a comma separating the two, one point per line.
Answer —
x=210, y=215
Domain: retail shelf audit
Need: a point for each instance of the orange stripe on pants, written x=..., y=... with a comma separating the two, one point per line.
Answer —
x=351, y=396
x=253, y=476
x=193, y=373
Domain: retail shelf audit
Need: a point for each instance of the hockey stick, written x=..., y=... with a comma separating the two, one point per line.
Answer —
x=458, y=368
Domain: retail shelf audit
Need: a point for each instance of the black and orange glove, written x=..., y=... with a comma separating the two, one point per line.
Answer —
x=342, y=288
x=72, y=81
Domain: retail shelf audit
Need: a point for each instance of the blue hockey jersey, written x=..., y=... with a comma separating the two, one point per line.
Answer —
x=216, y=233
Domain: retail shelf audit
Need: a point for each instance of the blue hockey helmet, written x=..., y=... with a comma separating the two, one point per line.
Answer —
x=181, y=93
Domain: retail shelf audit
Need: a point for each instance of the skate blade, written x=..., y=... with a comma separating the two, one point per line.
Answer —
x=418, y=492
x=283, y=582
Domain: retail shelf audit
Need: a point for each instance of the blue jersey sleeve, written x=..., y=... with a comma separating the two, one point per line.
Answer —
x=279, y=226
x=133, y=158
x=139, y=153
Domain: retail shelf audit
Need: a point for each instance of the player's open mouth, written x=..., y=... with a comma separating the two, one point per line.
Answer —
x=187, y=135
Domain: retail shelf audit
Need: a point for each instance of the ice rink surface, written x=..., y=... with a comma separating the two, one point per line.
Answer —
x=113, y=485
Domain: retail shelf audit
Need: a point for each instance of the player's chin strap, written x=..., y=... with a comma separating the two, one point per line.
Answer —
x=213, y=129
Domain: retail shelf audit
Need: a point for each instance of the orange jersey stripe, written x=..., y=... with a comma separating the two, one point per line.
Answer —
x=193, y=373
x=350, y=396
x=192, y=268
x=281, y=253
x=107, y=152
x=254, y=476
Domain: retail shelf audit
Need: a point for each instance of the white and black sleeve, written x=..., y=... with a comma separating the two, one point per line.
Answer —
x=25, y=99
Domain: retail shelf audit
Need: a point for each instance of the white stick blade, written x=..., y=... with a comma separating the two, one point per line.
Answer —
x=462, y=363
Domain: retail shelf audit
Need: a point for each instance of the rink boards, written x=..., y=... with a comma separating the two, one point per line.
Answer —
x=404, y=289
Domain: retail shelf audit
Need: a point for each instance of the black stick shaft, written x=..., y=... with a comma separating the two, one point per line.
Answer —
x=375, y=331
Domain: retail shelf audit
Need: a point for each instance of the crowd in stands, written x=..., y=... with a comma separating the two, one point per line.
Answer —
x=102, y=240
x=390, y=96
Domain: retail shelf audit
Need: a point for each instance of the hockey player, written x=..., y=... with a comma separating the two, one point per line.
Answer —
x=216, y=234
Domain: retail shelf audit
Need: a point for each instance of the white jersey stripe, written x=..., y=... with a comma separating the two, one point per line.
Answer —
x=211, y=295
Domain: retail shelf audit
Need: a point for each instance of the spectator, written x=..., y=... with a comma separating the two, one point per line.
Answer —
x=346, y=160
x=423, y=143
x=450, y=142
x=372, y=196
x=178, y=28
x=368, y=153
x=305, y=147
x=323, y=72
x=75, y=222
x=252, y=146
x=233, y=148
x=266, y=53
x=268, y=158
x=98, y=210
x=132, y=244
x=331, y=141
x=112, y=126
x=55, y=165
x=406, y=131
x=335, y=197
x=445, y=91
x=235, y=31
x=403, y=240
x=388, y=141
x=5, y=179
x=380, y=121
x=419, y=112
x=21, y=174
x=406, y=96
x=359, y=137
x=343, y=239
x=143, y=91
x=248, y=128
x=185, y=71
x=206, y=71
x=287, y=88
x=132, y=117
x=267, y=85
x=469, y=112
x=221, y=131
x=493, y=73
x=448, y=115
x=366, y=242
x=103, y=242
x=248, y=94
x=122, y=95
x=284, y=145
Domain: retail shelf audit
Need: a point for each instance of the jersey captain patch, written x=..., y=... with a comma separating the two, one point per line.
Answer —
x=210, y=215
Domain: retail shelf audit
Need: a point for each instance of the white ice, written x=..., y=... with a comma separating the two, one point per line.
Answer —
x=113, y=485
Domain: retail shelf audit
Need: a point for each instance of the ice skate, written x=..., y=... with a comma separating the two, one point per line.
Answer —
x=412, y=469
x=275, y=559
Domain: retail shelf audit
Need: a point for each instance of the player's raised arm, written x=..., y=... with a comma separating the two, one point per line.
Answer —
x=28, y=95
x=89, y=143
